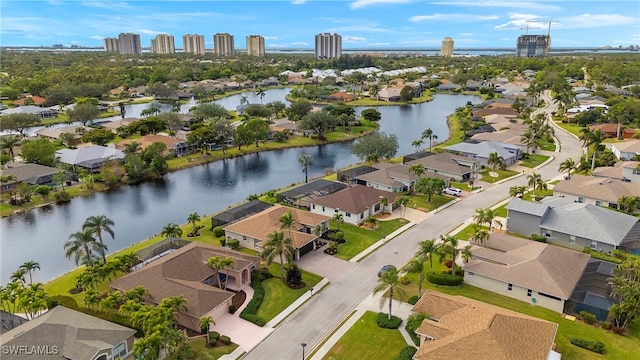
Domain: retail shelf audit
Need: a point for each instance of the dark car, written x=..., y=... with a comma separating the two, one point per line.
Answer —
x=385, y=269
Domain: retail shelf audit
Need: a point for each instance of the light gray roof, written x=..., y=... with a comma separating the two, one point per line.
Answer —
x=88, y=154
x=76, y=335
x=483, y=149
x=446, y=162
x=29, y=173
x=26, y=109
x=527, y=207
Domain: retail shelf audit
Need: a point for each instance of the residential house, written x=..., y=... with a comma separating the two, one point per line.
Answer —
x=356, y=203
x=482, y=150
x=34, y=99
x=506, y=129
x=253, y=232
x=300, y=196
x=448, y=87
x=42, y=113
x=175, y=146
x=32, y=174
x=389, y=94
x=116, y=124
x=627, y=171
x=595, y=190
x=349, y=175
x=614, y=130
x=62, y=333
x=342, y=96
x=185, y=272
x=394, y=177
x=457, y=168
x=90, y=158
x=574, y=225
x=592, y=293
x=626, y=150
x=9, y=321
x=498, y=110
x=534, y=272
x=239, y=212
x=55, y=133
x=462, y=328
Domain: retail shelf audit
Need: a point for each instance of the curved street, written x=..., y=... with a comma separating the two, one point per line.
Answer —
x=319, y=316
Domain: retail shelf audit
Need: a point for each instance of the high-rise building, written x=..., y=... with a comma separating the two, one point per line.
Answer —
x=193, y=44
x=129, y=44
x=447, y=47
x=163, y=44
x=255, y=45
x=223, y=44
x=328, y=46
x=532, y=45
x=111, y=45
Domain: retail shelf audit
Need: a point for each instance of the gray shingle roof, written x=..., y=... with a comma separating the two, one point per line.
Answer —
x=88, y=154
x=527, y=207
x=482, y=149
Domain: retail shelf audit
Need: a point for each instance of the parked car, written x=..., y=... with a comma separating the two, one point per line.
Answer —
x=385, y=269
x=453, y=191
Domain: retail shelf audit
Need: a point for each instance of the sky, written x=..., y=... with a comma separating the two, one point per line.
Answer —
x=369, y=24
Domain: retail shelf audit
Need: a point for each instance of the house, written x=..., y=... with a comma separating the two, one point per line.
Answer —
x=393, y=177
x=349, y=175
x=342, y=96
x=62, y=333
x=506, y=111
x=238, y=213
x=482, y=150
x=42, y=113
x=627, y=171
x=505, y=129
x=356, y=203
x=253, y=232
x=574, y=225
x=534, y=272
x=448, y=87
x=185, y=272
x=34, y=99
x=462, y=328
x=626, y=150
x=174, y=145
x=614, y=130
x=32, y=174
x=90, y=157
x=389, y=94
x=56, y=133
x=595, y=190
x=301, y=195
x=116, y=124
x=592, y=293
x=457, y=168
x=9, y=321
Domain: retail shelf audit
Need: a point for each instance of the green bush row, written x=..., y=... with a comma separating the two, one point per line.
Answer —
x=588, y=317
x=384, y=322
x=213, y=337
x=250, y=312
x=601, y=256
x=66, y=301
x=413, y=300
x=595, y=346
x=413, y=322
x=444, y=279
x=538, y=238
x=225, y=339
x=407, y=353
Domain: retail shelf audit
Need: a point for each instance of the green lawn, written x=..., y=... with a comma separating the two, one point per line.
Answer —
x=278, y=295
x=501, y=211
x=467, y=232
x=529, y=196
x=534, y=160
x=204, y=352
x=502, y=174
x=420, y=202
x=365, y=340
x=547, y=145
x=572, y=128
x=454, y=129
x=360, y=238
x=462, y=186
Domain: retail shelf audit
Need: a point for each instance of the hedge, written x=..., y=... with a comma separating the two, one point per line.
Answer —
x=444, y=279
x=407, y=353
x=384, y=322
x=66, y=301
x=225, y=339
x=588, y=317
x=595, y=346
x=413, y=300
x=413, y=322
x=249, y=313
x=601, y=256
x=213, y=337
x=218, y=231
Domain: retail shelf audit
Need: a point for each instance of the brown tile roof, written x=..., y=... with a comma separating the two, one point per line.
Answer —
x=611, y=128
x=355, y=199
x=531, y=265
x=182, y=273
x=115, y=124
x=628, y=146
x=445, y=162
x=495, y=110
x=470, y=329
x=596, y=188
x=260, y=225
x=147, y=140
x=36, y=100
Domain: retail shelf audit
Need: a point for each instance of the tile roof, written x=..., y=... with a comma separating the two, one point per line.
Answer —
x=470, y=329
x=355, y=199
x=115, y=124
x=611, y=128
x=596, y=188
x=55, y=133
x=388, y=175
x=445, y=162
x=77, y=335
x=627, y=146
x=531, y=265
x=260, y=225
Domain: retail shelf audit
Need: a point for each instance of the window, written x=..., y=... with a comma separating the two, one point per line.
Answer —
x=572, y=239
x=313, y=206
x=470, y=273
x=636, y=171
x=361, y=215
x=598, y=203
x=377, y=207
x=348, y=214
x=594, y=244
x=244, y=238
x=323, y=209
x=510, y=287
x=120, y=350
x=256, y=243
x=529, y=292
x=580, y=199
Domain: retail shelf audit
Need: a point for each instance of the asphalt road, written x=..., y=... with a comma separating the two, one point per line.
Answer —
x=315, y=320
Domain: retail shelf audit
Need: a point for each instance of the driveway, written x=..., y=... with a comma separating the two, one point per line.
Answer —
x=327, y=266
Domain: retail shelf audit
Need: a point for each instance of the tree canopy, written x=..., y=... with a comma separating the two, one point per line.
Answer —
x=379, y=145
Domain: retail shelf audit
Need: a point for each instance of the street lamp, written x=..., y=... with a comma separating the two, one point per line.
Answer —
x=303, y=346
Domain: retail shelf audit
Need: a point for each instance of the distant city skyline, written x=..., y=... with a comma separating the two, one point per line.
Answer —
x=374, y=24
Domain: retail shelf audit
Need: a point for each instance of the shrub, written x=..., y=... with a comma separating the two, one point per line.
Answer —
x=601, y=256
x=213, y=337
x=218, y=231
x=538, y=238
x=588, y=317
x=232, y=309
x=384, y=322
x=413, y=300
x=605, y=325
x=413, y=322
x=595, y=346
x=66, y=301
x=404, y=280
x=42, y=190
x=233, y=243
x=444, y=279
x=407, y=353
x=261, y=275
x=223, y=242
x=225, y=339
x=249, y=312
x=294, y=276
x=62, y=196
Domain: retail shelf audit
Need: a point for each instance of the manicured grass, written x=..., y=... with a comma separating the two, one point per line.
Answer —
x=462, y=186
x=360, y=238
x=420, y=202
x=456, y=133
x=501, y=211
x=534, y=160
x=203, y=352
x=572, y=128
x=529, y=196
x=547, y=145
x=365, y=340
x=502, y=174
x=7, y=209
x=467, y=232
x=278, y=295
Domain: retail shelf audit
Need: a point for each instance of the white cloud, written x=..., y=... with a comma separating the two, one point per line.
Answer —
x=520, y=20
x=378, y=44
x=108, y=5
x=364, y=3
x=149, y=32
x=300, y=43
x=353, y=39
x=453, y=17
x=597, y=20
x=501, y=4
x=466, y=34
x=276, y=46
x=271, y=38
x=298, y=2
x=97, y=37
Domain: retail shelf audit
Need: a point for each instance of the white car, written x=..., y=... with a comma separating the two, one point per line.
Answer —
x=453, y=191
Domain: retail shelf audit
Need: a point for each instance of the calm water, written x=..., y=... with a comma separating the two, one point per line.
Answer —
x=142, y=211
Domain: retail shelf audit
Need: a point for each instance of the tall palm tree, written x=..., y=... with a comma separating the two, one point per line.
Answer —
x=534, y=180
x=428, y=134
x=426, y=250
x=18, y=276
x=287, y=221
x=216, y=263
x=193, y=219
x=305, y=160
x=416, y=266
x=596, y=139
x=567, y=166
x=389, y=281
x=82, y=245
x=261, y=94
x=629, y=204
x=278, y=245
x=495, y=161
x=98, y=224
x=337, y=219
x=131, y=148
x=227, y=263
x=29, y=266
x=9, y=142
x=417, y=144
x=449, y=245
x=480, y=236
x=171, y=230
x=480, y=217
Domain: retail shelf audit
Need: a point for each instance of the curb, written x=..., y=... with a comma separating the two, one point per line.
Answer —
x=550, y=159
x=381, y=242
x=508, y=179
x=296, y=304
x=450, y=203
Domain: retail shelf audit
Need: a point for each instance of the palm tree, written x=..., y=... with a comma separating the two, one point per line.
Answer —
x=227, y=263
x=450, y=246
x=18, y=276
x=9, y=142
x=417, y=144
x=98, y=224
x=193, y=219
x=416, y=265
x=567, y=166
x=204, y=323
x=428, y=134
x=517, y=191
x=596, y=140
x=29, y=266
x=171, y=230
x=480, y=217
x=287, y=221
x=131, y=148
x=91, y=298
x=465, y=253
x=389, y=281
x=495, y=160
x=534, y=180
x=384, y=202
x=337, y=219
x=372, y=221
x=82, y=245
x=402, y=201
x=216, y=263
x=281, y=246
x=629, y=204
x=427, y=249
x=480, y=236
x=305, y=160
x=261, y=94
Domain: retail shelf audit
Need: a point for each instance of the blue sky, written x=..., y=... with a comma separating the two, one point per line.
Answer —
x=293, y=23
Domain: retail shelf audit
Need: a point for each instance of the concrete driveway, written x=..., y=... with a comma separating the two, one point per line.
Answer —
x=327, y=266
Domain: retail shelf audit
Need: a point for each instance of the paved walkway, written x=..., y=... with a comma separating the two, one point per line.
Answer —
x=327, y=266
